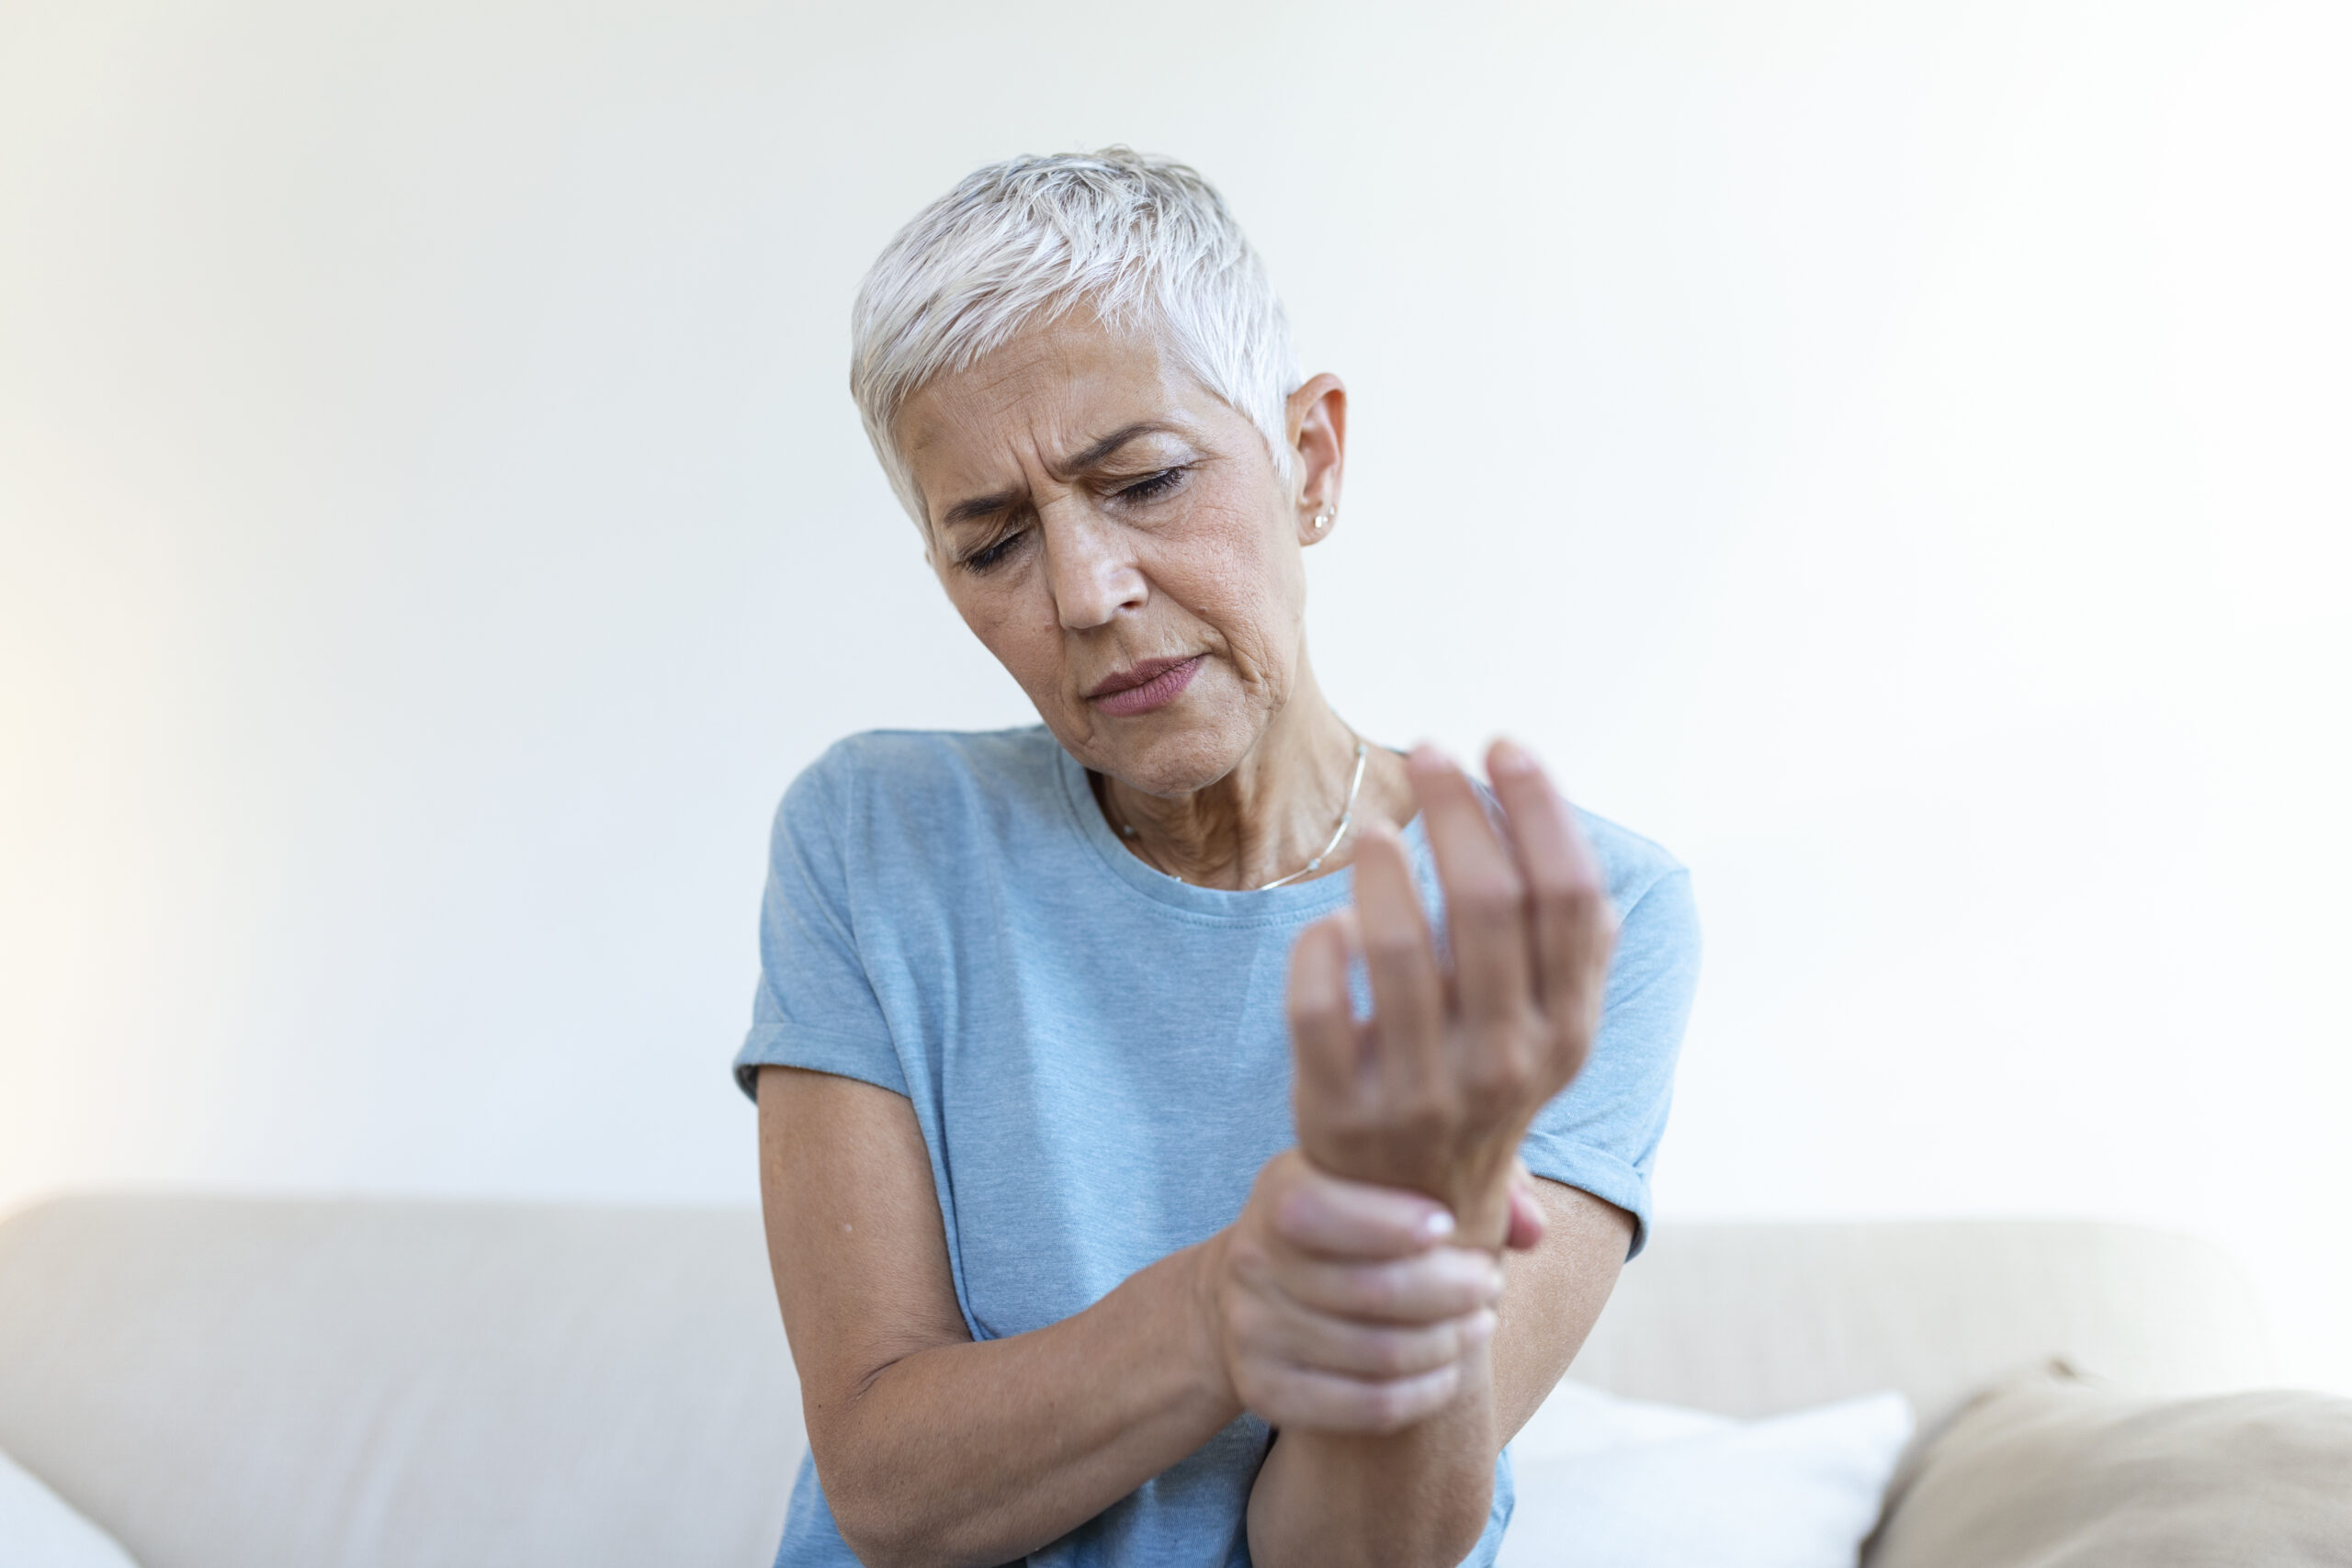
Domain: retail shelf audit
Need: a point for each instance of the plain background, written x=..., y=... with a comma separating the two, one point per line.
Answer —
x=1892, y=454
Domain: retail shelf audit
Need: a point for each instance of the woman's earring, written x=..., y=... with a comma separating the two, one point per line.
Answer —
x=1323, y=520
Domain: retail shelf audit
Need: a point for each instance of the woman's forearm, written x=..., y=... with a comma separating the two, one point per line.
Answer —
x=1418, y=1498
x=979, y=1452
x=1422, y=1497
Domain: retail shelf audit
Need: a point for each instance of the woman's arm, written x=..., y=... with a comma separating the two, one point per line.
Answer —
x=1421, y=1497
x=934, y=1450
x=1434, y=1093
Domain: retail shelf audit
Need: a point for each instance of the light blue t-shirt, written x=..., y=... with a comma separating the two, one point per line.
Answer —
x=1097, y=1057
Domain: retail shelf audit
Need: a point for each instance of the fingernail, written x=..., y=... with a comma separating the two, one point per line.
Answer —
x=1481, y=1326
x=1436, y=1225
x=1509, y=757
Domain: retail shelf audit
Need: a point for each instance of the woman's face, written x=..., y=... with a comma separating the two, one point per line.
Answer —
x=1116, y=535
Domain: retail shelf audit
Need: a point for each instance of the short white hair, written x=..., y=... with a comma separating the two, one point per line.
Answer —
x=1144, y=242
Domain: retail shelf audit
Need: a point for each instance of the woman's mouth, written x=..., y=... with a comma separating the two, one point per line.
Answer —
x=1139, y=688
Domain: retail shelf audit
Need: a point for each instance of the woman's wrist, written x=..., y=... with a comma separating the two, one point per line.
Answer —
x=1484, y=1220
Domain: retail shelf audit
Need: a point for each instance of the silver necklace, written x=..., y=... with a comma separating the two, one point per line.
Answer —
x=1347, y=815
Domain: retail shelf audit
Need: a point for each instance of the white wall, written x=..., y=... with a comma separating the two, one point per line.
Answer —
x=1894, y=454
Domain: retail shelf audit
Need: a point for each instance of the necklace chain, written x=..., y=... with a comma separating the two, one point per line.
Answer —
x=1347, y=815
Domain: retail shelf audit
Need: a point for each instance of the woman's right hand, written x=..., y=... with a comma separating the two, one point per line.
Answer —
x=1470, y=1038
x=1338, y=1306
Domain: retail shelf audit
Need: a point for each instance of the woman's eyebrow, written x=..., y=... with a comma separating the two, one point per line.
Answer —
x=1110, y=444
x=980, y=507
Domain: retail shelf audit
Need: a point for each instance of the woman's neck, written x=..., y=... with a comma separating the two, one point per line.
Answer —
x=1274, y=812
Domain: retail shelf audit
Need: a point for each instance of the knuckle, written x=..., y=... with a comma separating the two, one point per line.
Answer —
x=1391, y=1354
x=1504, y=1061
x=1384, y=1290
x=1248, y=1319
x=1298, y=1211
x=1310, y=1022
x=1386, y=1406
x=1313, y=1023
x=1561, y=901
x=1389, y=948
x=1256, y=1391
x=1574, y=898
x=1495, y=900
x=1405, y=1401
x=1473, y=1283
x=1250, y=1263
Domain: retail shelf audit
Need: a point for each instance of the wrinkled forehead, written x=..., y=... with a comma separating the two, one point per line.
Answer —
x=1049, y=394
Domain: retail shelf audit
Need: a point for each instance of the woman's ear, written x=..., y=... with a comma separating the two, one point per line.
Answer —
x=1317, y=420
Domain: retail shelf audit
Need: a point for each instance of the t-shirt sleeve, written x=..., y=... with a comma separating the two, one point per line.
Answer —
x=815, y=1006
x=1602, y=1133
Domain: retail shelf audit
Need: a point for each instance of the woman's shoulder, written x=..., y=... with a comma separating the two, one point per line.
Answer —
x=937, y=751
x=914, y=778
x=1635, y=867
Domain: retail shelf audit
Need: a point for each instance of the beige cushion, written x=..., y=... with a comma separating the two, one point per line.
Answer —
x=2052, y=1473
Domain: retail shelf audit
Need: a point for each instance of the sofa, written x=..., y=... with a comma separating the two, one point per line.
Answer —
x=241, y=1383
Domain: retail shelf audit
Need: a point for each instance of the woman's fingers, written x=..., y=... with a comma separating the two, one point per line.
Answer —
x=1324, y=1342
x=1299, y=1399
x=1575, y=927
x=1407, y=991
x=1443, y=1282
x=1486, y=902
x=1346, y=1343
x=1324, y=1035
x=1333, y=1218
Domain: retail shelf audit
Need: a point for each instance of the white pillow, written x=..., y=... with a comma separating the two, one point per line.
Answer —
x=1609, y=1482
x=40, y=1529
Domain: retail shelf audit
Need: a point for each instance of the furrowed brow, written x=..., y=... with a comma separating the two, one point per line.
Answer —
x=979, y=508
x=1078, y=461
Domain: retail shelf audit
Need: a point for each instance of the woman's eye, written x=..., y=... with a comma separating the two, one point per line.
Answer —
x=993, y=555
x=1154, y=487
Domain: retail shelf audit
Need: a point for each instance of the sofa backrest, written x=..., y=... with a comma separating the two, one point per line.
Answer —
x=246, y=1384
x=1753, y=1319
x=228, y=1383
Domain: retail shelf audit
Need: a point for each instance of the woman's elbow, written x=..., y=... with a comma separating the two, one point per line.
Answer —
x=873, y=1524
x=880, y=1515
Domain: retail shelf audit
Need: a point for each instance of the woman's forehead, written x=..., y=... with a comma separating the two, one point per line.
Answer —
x=1049, y=396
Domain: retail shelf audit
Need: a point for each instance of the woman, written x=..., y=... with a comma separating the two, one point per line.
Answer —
x=1074, y=1263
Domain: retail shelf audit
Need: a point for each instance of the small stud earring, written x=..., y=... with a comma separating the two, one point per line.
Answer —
x=1323, y=520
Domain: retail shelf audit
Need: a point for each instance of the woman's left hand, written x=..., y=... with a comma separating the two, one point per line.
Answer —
x=1435, y=1090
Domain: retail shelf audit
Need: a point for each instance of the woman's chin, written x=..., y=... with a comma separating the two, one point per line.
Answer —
x=1167, y=753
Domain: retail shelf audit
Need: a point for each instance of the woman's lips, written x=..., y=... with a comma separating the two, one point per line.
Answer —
x=1154, y=683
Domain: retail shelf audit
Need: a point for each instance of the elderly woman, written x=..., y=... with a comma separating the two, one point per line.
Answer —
x=1167, y=1133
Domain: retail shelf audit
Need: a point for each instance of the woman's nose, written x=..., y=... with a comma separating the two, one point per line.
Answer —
x=1092, y=575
